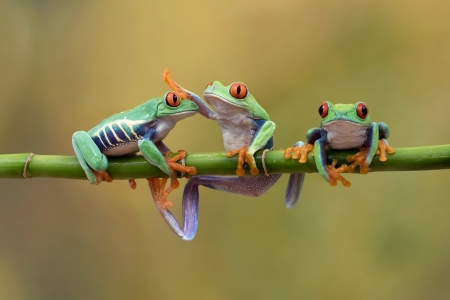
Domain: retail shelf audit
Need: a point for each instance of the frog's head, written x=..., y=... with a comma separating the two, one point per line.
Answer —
x=357, y=113
x=233, y=99
x=172, y=106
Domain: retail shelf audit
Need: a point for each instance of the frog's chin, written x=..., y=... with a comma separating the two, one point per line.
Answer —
x=345, y=134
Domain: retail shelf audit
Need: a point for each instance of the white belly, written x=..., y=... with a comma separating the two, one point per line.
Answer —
x=237, y=133
x=345, y=135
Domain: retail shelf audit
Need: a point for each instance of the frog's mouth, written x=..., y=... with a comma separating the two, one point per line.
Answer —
x=180, y=115
x=220, y=103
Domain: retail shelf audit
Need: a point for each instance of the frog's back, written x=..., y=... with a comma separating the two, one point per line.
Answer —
x=118, y=134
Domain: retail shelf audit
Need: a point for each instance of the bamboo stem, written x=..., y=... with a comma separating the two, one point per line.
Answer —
x=54, y=166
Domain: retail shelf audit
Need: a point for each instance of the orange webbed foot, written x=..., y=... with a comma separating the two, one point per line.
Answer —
x=244, y=157
x=173, y=85
x=359, y=159
x=100, y=175
x=334, y=174
x=174, y=166
x=383, y=148
x=300, y=153
x=157, y=187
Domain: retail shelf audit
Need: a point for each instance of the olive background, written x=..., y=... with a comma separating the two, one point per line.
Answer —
x=67, y=65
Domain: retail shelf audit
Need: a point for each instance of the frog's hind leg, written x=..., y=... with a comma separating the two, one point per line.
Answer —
x=295, y=182
x=247, y=186
x=157, y=188
x=190, y=209
x=93, y=162
x=294, y=189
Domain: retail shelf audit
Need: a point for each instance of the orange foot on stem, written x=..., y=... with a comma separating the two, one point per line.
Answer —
x=384, y=148
x=157, y=187
x=173, y=85
x=299, y=152
x=359, y=159
x=243, y=157
x=100, y=175
x=174, y=167
x=334, y=174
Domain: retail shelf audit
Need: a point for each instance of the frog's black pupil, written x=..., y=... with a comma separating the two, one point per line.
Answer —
x=175, y=98
x=321, y=110
x=364, y=110
x=238, y=90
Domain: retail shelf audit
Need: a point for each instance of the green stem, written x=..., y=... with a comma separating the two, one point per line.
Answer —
x=53, y=166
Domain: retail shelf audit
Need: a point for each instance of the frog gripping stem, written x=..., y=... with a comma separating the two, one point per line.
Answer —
x=244, y=157
x=383, y=148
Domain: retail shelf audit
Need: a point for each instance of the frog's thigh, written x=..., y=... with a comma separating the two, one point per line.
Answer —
x=88, y=152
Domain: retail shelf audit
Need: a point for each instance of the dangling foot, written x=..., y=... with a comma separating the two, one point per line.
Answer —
x=132, y=183
x=157, y=186
x=174, y=86
x=334, y=174
x=174, y=167
x=243, y=157
x=100, y=175
x=383, y=148
x=300, y=153
x=359, y=159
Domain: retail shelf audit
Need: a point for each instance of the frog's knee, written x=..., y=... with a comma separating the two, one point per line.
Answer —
x=86, y=149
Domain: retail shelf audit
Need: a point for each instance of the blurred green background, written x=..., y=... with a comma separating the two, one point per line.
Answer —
x=66, y=65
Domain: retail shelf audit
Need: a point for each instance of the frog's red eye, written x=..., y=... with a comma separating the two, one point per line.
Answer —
x=238, y=90
x=172, y=99
x=323, y=110
x=362, y=111
x=209, y=84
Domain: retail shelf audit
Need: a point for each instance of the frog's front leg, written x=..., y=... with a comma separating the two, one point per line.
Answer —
x=383, y=145
x=300, y=151
x=93, y=162
x=364, y=157
x=151, y=152
x=261, y=139
x=328, y=172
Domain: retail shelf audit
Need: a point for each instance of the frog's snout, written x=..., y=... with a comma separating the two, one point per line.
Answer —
x=341, y=114
x=193, y=105
x=210, y=89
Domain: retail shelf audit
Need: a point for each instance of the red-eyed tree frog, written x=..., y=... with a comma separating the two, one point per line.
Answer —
x=343, y=126
x=139, y=129
x=246, y=128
